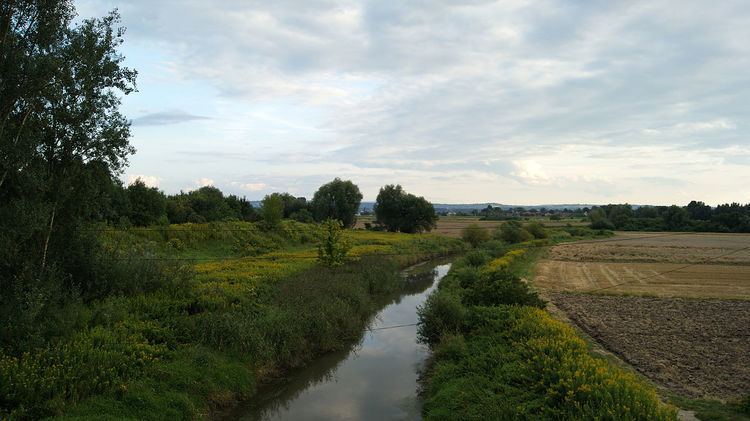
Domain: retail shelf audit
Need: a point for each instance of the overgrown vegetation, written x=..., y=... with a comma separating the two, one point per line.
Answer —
x=191, y=336
x=498, y=355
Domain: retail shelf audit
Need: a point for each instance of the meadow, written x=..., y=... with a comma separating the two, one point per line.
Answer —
x=218, y=309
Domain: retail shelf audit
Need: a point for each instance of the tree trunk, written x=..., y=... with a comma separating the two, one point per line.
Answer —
x=49, y=234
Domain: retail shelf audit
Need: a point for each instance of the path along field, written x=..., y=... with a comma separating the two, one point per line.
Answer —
x=685, y=322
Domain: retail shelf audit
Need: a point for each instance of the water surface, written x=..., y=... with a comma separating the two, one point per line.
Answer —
x=375, y=380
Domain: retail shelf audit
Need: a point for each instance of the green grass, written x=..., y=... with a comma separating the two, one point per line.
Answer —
x=207, y=332
x=712, y=410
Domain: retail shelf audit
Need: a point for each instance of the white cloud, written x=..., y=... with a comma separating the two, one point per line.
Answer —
x=253, y=187
x=149, y=180
x=203, y=182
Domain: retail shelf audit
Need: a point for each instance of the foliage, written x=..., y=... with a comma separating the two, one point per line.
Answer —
x=696, y=216
x=176, y=341
x=497, y=355
x=519, y=363
x=512, y=232
x=147, y=205
x=397, y=210
x=536, y=229
x=332, y=247
x=337, y=199
x=475, y=235
x=272, y=211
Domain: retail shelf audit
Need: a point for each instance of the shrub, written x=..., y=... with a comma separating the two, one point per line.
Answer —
x=501, y=287
x=442, y=313
x=332, y=247
x=536, y=229
x=475, y=235
x=512, y=232
x=477, y=258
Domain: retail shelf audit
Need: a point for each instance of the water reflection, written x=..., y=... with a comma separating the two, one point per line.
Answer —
x=375, y=380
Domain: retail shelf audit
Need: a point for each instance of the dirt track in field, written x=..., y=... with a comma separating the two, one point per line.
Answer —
x=696, y=348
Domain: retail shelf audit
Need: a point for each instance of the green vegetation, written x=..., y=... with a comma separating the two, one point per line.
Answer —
x=696, y=216
x=396, y=210
x=187, y=337
x=332, y=248
x=475, y=235
x=337, y=200
x=711, y=410
x=498, y=355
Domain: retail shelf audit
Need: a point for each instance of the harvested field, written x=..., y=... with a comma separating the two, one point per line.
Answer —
x=660, y=247
x=697, y=348
x=657, y=279
x=659, y=264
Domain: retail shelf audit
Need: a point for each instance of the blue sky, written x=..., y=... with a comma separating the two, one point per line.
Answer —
x=522, y=102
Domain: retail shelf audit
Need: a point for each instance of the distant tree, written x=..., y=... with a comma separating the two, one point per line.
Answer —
x=209, y=203
x=241, y=208
x=675, y=218
x=599, y=220
x=303, y=215
x=338, y=199
x=272, y=211
x=397, y=210
x=699, y=211
x=147, y=204
x=291, y=203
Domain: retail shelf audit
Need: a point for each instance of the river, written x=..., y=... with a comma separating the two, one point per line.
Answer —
x=374, y=380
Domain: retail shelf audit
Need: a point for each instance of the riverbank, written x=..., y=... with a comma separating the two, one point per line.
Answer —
x=375, y=379
x=498, y=355
x=232, y=306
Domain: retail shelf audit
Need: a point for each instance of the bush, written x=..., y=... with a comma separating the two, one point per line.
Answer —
x=332, y=247
x=442, y=313
x=512, y=232
x=475, y=235
x=536, y=229
x=501, y=287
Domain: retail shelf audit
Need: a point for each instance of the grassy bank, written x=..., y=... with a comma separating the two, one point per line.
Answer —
x=498, y=355
x=200, y=316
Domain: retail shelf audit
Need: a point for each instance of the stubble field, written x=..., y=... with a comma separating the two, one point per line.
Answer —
x=676, y=306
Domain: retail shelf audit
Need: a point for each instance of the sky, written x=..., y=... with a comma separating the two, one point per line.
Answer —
x=515, y=102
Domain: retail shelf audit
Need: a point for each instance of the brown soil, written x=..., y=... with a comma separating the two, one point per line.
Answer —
x=697, y=348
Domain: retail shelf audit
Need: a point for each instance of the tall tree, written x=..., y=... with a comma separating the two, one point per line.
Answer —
x=59, y=124
x=397, y=210
x=338, y=199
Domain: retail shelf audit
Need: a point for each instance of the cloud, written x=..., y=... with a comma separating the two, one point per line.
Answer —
x=204, y=182
x=166, y=117
x=149, y=180
x=253, y=187
x=527, y=98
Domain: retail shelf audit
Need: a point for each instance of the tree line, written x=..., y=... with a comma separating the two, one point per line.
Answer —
x=140, y=205
x=696, y=216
